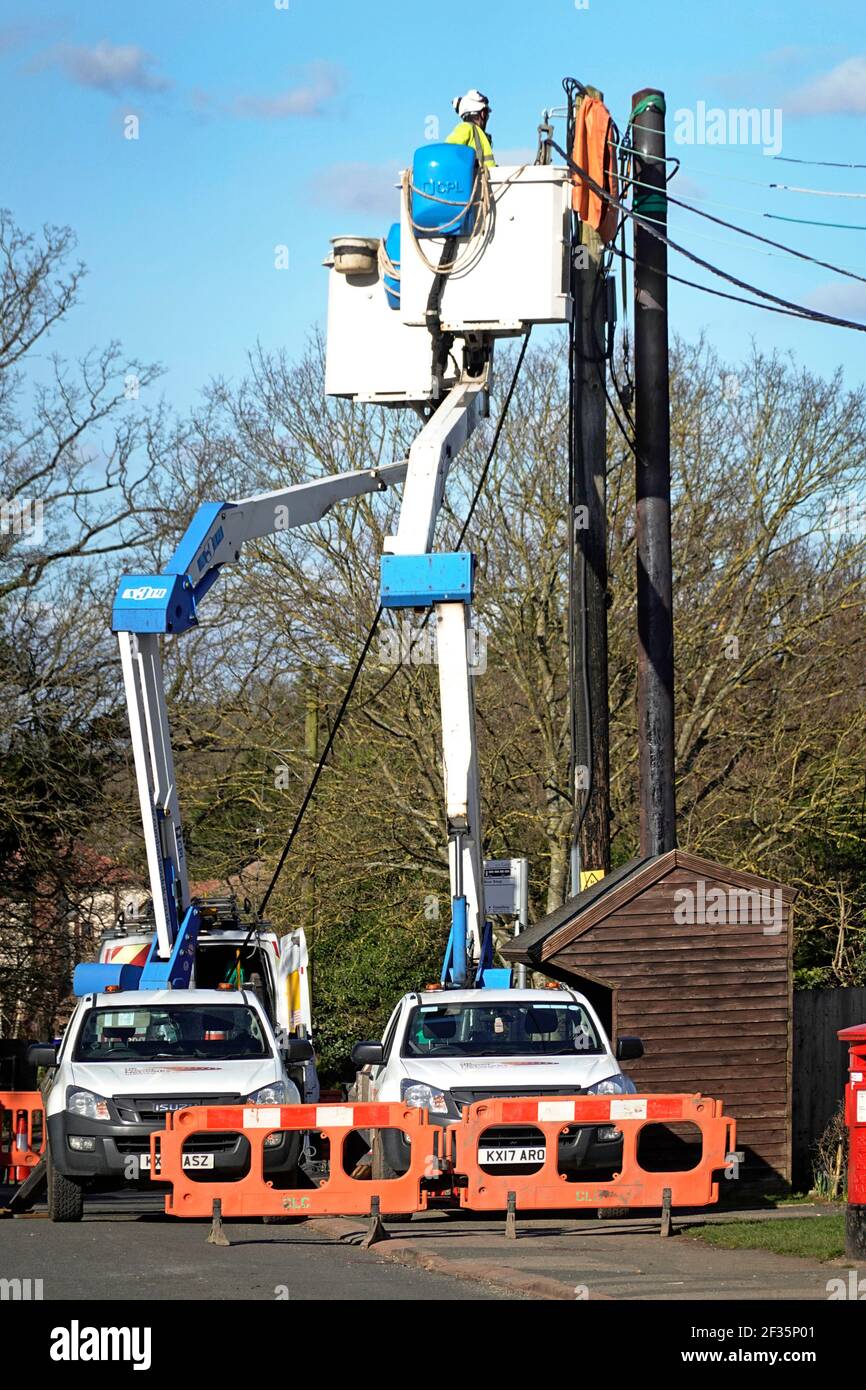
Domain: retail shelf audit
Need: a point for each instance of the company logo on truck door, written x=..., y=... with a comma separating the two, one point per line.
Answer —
x=144, y=591
x=210, y=547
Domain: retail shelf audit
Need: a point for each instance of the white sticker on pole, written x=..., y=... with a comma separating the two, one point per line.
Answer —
x=261, y=1116
x=556, y=1110
x=334, y=1115
x=628, y=1110
x=861, y=1107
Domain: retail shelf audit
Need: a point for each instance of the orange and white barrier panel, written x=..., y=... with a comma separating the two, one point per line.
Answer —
x=254, y=1194
x=22, y=1133
x=549, y=1189
x=455, y=1162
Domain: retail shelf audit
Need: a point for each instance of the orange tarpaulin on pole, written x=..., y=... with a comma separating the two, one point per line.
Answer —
x=594, y=153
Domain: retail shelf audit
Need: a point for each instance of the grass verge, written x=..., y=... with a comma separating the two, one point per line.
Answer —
x=809, y=1237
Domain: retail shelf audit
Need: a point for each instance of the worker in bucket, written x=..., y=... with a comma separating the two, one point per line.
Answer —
x=473, y=108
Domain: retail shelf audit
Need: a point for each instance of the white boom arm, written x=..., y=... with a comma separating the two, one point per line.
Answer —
x=430, y=459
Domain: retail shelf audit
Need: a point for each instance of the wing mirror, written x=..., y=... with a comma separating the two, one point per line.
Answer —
x=628, y=1049
x=368, y=1054
x=42, y=1055
x=297, y=1050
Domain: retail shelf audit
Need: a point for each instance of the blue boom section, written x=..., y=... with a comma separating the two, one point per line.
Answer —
x=418, y=581
x=167, y=602
x=174, y=973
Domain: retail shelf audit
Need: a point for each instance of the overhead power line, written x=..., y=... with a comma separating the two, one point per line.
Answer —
x=810, y=222
x=768, y=241
x=816, y=192
x=801, y=309
x=823, y=163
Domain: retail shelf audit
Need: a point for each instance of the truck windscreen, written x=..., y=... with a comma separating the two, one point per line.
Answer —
x=500, y=1030
x=182, y=1032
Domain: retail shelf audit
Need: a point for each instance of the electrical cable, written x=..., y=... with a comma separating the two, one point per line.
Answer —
x=815, y=192
x=755, y=236
x=822, y=163
x=736, y=298
x=308, y=796
x=801, y=309
x=810, y=222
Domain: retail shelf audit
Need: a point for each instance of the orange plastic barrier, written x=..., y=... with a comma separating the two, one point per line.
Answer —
x=22, y=1132
x=632, y=1186
x=254, y=1195
x=446, y=1159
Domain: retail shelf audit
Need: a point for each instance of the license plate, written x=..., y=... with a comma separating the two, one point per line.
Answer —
x=187, y=1161
x=504, y=1157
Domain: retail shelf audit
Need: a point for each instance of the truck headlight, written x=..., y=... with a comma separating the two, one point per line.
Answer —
x=618, y=1085
x=88, y=1105
x=275, y=1094
x=423, y=1097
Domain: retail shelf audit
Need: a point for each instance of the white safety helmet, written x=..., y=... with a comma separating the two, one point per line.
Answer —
x=471, y=103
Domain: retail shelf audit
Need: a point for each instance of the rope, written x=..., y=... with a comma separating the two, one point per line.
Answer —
x=478, y=235
x=386, y=265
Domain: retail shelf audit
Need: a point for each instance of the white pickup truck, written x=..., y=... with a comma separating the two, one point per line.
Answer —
x=128, y=1058
x=445, y=1049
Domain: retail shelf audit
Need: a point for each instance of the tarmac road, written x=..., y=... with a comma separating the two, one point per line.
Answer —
x=126, y=1248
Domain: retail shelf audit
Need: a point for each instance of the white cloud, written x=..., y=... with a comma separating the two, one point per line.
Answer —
x=841, y=91
x=359, y=187
x=846, y=299
x=310, y=97
x=105, y=66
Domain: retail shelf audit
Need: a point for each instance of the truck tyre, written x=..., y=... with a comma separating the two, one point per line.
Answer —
x=65, y=1197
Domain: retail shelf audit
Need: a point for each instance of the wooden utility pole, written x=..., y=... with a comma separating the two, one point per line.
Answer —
x=655, y=675
x=589, y=675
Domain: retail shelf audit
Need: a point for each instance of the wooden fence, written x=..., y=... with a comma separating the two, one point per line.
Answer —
x=820, y=1068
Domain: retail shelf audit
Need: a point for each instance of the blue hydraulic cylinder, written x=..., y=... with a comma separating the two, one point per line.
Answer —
x=95, y=978
x=454, y=966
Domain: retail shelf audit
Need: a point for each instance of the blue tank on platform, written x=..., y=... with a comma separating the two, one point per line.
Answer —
x=443, y=184
x=392, y=250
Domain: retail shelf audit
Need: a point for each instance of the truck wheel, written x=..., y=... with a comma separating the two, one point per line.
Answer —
x=65, y=1197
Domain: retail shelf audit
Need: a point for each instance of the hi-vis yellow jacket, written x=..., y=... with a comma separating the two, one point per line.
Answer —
x=468, y=133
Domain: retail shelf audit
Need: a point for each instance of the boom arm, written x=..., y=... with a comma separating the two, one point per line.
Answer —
x=412, y=577
x=147, y=605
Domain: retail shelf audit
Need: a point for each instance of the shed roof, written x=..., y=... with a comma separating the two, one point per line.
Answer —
x=584, y=910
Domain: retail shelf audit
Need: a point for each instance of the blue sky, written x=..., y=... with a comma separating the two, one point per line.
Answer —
x=263, y=124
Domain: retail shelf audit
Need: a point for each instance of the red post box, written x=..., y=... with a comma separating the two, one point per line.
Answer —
x=855, y=1119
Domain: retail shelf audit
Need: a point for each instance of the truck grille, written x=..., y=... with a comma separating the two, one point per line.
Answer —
x=199, y=1144
x=469, y=1097
x=152, y=1110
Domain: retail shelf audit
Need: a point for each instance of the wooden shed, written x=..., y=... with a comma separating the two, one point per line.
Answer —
x=694, y=958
